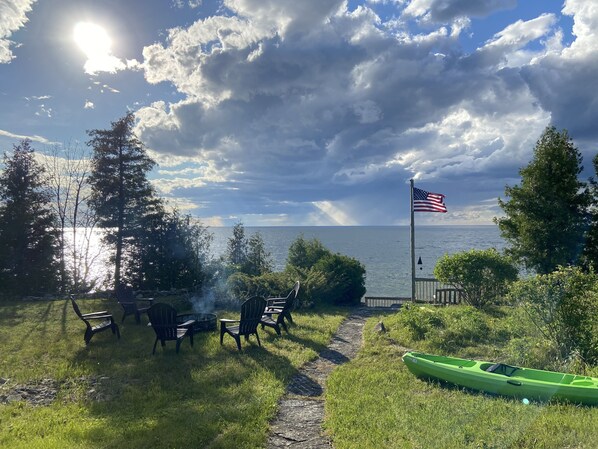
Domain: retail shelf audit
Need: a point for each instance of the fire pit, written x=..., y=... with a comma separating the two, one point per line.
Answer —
x=204, y=322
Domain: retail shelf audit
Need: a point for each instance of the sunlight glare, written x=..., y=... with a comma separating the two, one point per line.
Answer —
x=97, y=46
x=92, y=39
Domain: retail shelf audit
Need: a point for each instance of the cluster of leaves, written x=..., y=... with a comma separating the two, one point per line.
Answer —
x=564, y=307
x=325, y=277
x=483, y=276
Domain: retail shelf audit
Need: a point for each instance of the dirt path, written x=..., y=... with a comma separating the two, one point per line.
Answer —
x=301, y=410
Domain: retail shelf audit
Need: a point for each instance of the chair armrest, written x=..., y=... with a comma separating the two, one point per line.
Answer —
x=92, y=314
x=98, y=317
x=271, y=301
x=146, y=299
x=269, y=313
x=225, y=320
x=274, y=309
x=186, y=323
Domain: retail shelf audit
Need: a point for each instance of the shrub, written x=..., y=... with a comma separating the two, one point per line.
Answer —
x=306, y=253
x=242, y=286
x=443, y=329
x=463, y=326
x=482, y=275
x=345, y=279
x=419, y=321
x=325, y=277
x=564, y=307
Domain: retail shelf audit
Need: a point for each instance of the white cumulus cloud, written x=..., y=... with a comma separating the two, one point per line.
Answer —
x=332, y=108
x=13, y=15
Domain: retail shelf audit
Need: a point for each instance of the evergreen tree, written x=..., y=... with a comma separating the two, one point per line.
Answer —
x=591, y=243
x=236, y=249
x=121, y=193
x=259, y=261
x=546, y=215
x=171, y=253
x=28, y=238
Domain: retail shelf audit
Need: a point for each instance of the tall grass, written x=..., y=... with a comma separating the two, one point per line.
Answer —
x=208, y=396
x=375, y=402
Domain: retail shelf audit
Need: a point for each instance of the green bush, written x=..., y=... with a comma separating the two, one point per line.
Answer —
x=419, y=321
x=345, y=279
x=532, y=352
x=325, y=277
x=306, y=253
x=482, y=275
x=463, y=326
x=242, y=286
x=564, y=307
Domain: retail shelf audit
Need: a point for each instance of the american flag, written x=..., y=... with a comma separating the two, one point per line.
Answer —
x=427, y=202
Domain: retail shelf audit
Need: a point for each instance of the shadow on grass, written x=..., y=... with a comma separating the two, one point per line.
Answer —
x=205, y=395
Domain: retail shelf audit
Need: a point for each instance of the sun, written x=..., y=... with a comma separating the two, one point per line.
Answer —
x=92, y=39
x=95, y=42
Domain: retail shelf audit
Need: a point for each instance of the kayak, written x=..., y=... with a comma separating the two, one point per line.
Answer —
x=506, y=380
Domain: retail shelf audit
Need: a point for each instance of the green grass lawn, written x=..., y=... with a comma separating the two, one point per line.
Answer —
x=375, y=402
x=208, y=396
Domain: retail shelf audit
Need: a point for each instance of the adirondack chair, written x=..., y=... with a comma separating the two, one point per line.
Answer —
x=106, y=323
x=130, y=304
x=281, y=308
x=163, y=320
x=251, y=314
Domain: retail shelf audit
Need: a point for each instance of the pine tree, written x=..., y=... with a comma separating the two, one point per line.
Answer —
x=259, y=261
x=172, y=254
x=121, y=193
x=591, y=242
x=546, y=215
x=236, y=249
x=28, y=237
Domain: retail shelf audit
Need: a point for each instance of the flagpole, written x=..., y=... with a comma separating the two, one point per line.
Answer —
x=412, y=247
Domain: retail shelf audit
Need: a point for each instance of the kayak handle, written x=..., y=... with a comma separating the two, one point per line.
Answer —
x=514, y=382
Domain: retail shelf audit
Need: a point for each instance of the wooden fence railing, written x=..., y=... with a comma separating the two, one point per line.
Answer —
x=427, y=290
x=433, y=291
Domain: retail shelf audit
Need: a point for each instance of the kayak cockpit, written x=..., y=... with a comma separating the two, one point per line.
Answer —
x=499, y=368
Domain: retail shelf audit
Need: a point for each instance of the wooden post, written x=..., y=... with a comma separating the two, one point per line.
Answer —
x=412, y=246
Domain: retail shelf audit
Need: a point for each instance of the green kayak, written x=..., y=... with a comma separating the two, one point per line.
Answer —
x=498, y=378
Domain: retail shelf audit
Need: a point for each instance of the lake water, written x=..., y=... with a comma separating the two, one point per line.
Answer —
x=383, y=250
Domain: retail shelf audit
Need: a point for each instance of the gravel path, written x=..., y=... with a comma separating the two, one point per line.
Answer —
x=298, y=424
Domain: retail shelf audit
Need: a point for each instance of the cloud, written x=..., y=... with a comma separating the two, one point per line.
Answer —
x=328, y=109
x=445, y=11
x=33, y=138
x=562, y=79
x=190, y=3
x=88, y=105
x=13, y=15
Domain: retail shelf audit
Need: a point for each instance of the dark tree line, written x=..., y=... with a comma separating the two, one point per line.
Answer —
x=151, y=246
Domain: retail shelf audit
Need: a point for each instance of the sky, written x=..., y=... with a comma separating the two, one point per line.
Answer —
x=311, y=112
